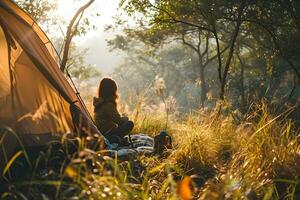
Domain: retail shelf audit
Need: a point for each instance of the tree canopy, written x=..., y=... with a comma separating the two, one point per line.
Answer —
x=234, y=44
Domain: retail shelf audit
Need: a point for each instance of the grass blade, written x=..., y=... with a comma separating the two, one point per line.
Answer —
x=10, y=162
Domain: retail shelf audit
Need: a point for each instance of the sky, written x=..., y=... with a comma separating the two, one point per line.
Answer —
x=98, y=54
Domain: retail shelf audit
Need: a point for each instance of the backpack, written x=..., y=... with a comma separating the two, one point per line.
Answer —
x=162, y=142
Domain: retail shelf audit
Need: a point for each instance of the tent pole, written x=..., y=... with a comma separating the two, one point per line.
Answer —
x=78, y=95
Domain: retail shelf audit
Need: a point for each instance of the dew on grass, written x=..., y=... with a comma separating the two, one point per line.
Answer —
x=106, y=189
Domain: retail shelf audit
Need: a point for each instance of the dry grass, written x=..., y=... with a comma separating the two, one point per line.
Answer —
x=258, y=158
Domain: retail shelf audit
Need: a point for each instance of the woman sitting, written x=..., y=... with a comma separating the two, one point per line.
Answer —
x=107, y=118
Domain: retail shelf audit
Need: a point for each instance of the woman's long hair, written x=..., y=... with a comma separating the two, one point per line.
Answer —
x=108, y=90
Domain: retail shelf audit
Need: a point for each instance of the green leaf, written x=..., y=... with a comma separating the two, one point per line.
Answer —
x=10, y=162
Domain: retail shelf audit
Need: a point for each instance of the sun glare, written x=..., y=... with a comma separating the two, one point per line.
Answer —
x=66, y=8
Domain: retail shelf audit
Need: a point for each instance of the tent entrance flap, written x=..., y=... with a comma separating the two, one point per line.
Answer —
x=5, y=82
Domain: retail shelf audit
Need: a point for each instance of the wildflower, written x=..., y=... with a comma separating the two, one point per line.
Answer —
x=159, y=85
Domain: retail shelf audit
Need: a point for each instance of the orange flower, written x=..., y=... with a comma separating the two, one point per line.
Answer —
x=184, y=189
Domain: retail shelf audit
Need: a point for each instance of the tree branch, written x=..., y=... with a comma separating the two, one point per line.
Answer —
x=72, y=28
x=215, y=56
x=206, y=48
x=177, y=20
x=188, y=44
x=218, y=55
x=199, y=43
x=231, y=50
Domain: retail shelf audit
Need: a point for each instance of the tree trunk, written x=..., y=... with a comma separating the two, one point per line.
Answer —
x=242, y=74
x=202, y=82
x=229, y=58
x=294, y=87
x=203, y=88
x=243, y=99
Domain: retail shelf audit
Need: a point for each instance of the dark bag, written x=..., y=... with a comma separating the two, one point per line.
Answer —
x=162, y=142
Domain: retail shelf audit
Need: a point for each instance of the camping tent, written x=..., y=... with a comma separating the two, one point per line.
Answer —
x=36, y=100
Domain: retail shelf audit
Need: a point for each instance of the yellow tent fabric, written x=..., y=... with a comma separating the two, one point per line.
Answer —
x=26, y=18
x=4, y=78
x=36, y=100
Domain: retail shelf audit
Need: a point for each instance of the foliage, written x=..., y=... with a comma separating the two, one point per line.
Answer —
x=250, y=45
x=39, y=10
x=82, y=73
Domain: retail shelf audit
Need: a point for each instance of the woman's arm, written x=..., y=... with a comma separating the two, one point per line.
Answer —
x=115, y=115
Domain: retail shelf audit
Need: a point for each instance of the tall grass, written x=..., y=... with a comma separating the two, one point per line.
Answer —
x=265, y=163
x=257, y=158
